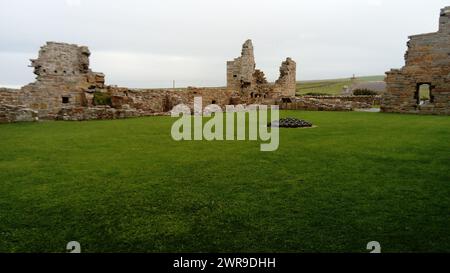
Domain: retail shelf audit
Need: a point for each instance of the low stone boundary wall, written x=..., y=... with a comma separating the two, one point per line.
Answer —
x=14, y=113
x=92, y=113
x=330, y=103
x=362, y=99
x=145, y=102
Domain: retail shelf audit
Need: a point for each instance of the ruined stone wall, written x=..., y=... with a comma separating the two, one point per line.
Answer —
x=240, y=71
x=219, y=96
x=370, y=100
x=287, y=83
x=10, y=96
x=63, y=77
x=251, y=83
x=16, y=113
x=147, y=101
x=151, y=101
x=427, y=61
x=329, y=103
x=66, y=89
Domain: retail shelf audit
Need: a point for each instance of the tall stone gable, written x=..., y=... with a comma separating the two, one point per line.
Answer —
x=240, y=71
x=243, y=76
x=427, y=62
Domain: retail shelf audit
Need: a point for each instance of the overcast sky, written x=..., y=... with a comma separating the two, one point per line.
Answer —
x=139, y=43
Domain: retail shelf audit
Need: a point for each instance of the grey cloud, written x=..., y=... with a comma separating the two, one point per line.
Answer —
x=327, y=38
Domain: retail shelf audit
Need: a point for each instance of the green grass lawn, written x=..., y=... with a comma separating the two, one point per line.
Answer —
x=332, y=87
x=125, y=185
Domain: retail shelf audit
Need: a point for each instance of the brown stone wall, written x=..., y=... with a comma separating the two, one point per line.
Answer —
x=371, y=100
x=315, y=105
x=330, y=103
x=66, y=88
x=252, y=84
x=63, y=79
x=427, y=61
x=9, y=96
x=286, y=83
x=240, y=71
x=151, y=101
x=16, y=113
x=94, y=113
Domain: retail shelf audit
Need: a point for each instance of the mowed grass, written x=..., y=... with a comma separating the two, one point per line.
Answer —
x=332, y=87
x=126, y=186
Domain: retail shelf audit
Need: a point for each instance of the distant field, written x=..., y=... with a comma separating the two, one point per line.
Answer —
x=332, y=86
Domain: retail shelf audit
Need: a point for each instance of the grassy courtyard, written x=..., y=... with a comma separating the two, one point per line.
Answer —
x=126, y=186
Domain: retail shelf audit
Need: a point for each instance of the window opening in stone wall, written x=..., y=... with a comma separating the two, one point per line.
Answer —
x=423, y=93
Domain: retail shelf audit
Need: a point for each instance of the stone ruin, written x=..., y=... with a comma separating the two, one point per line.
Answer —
x=66, y=88
x=63, y=79
x=330, y=103
x=427, y=64
x=251, y=83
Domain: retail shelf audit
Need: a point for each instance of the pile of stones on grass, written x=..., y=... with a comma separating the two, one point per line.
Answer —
x=290, y=123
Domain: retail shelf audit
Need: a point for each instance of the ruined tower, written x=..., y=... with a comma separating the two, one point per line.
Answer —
x=242, y=76
x=240, y=71
x=286, y=83
x=63, y=79
x=61, y=62
x=427, y=64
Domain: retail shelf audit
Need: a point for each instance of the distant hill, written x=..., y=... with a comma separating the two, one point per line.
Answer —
x=335, y=86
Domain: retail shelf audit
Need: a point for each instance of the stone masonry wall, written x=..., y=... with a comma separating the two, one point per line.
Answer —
x=287, y=83
x=66, y=89
x=9, y=96
x=16, y=113
x=427, y=61
x=330, y=103
x=63, y=78
x=243, y=76
x=150, y=101
x=240, y=71
x=371, y=100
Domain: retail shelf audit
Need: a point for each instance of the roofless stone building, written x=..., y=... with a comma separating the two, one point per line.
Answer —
x=427, y=68
x=242, y=75
x=66, y=88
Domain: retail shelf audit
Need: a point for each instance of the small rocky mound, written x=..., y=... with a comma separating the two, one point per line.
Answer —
x=290, y=123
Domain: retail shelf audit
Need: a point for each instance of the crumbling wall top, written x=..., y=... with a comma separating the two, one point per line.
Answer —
x=444, y=20
x=61, y=59
x=240, y=71
x=427, y=67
